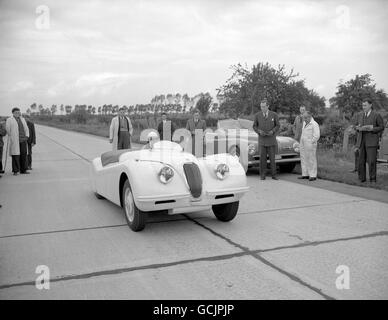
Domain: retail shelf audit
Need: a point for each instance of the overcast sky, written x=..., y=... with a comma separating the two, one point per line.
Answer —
x=125, y=52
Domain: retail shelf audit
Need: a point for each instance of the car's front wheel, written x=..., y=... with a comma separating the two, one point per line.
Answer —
x=136, y=218
x=225, y=211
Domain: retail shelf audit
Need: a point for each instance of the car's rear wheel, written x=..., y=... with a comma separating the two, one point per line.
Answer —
x=287, y=167
x=226, y=211
x=136, y=218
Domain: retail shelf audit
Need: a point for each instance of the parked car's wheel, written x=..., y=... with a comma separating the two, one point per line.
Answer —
x=136, y=219
x=226, y=211
x=98, y=196
x=287, y=167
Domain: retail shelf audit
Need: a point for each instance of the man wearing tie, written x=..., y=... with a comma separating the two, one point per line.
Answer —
x=196, y=124
x=120, y=131
x=370, y=124
x=166, y=128
x=266, y=125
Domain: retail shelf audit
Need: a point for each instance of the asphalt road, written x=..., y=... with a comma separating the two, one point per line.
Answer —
x=286, y=243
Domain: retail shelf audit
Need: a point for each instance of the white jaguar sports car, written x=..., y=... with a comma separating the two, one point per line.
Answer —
x=163, y=177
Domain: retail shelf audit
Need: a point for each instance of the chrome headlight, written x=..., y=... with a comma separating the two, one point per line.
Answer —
x=166, y=174
x=296, y=147
x=251, y=149
x=221, y=170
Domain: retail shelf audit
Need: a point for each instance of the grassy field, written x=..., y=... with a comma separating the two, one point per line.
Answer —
x=334, y=166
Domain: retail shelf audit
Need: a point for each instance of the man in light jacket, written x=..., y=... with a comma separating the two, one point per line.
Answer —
x=308, y=147
x=120, y=131
x=18, y=133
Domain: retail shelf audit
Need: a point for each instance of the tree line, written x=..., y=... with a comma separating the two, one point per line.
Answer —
x=241, y=95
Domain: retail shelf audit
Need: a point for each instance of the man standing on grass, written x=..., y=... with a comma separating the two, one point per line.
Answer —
x=308, y=147
x=120, y=131
x=369, y=127
x=298, y=123
x=266, y=125
x=18, y=133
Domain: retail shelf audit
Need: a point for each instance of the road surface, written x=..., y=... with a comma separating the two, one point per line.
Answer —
x=287, y=242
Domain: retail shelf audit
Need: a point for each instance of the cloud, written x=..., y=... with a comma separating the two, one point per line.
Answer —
x=22, y=86
x=128, y=51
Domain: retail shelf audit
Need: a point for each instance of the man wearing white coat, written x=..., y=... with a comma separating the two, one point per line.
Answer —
x=308, y=147
x=120, y=131
x=18, y=134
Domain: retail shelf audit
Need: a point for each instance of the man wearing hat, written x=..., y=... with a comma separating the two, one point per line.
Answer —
x=266, y=125
x=18, y=133
x=120, y=131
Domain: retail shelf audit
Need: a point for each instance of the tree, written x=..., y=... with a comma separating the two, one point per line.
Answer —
x=62, y=109
x=203, y=104
x=349, y=95
x=53, y=109
x=41, y=109
x=244, y=90
x=68, y=109
x=33, y=107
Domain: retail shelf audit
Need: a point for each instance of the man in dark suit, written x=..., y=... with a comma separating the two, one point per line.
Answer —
x=166, y=128
x=3, y=132
x=30, y=142
x=369, y=127
x=266, y=125
x=196, y=124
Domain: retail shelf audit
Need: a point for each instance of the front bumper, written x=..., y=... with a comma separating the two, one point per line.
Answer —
x=184, y=202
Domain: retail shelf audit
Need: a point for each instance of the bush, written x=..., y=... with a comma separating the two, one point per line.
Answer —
x=332, y=131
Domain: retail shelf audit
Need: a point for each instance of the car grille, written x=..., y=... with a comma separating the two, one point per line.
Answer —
x=194, y=178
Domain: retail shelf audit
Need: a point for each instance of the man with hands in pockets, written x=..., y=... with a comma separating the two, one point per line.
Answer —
x=308, y=147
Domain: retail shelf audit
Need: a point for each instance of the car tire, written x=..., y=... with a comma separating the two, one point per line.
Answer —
x=136, y=218
x=98, y=196
x=226, y=211
x=287, y=168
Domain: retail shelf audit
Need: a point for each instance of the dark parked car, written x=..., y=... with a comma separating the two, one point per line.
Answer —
x=245, y=145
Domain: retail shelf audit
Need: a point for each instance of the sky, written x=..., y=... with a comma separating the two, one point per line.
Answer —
x=127, y=51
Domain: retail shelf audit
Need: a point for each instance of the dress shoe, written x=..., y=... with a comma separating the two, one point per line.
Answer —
x=1, y=171
x=15, y=173
x=275, y=178
x=304, y=177
x=262, y=178
x=353, y=171
x=363, y=180
x=312, y=179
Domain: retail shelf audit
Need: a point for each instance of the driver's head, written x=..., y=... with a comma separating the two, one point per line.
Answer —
x=152, y=137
